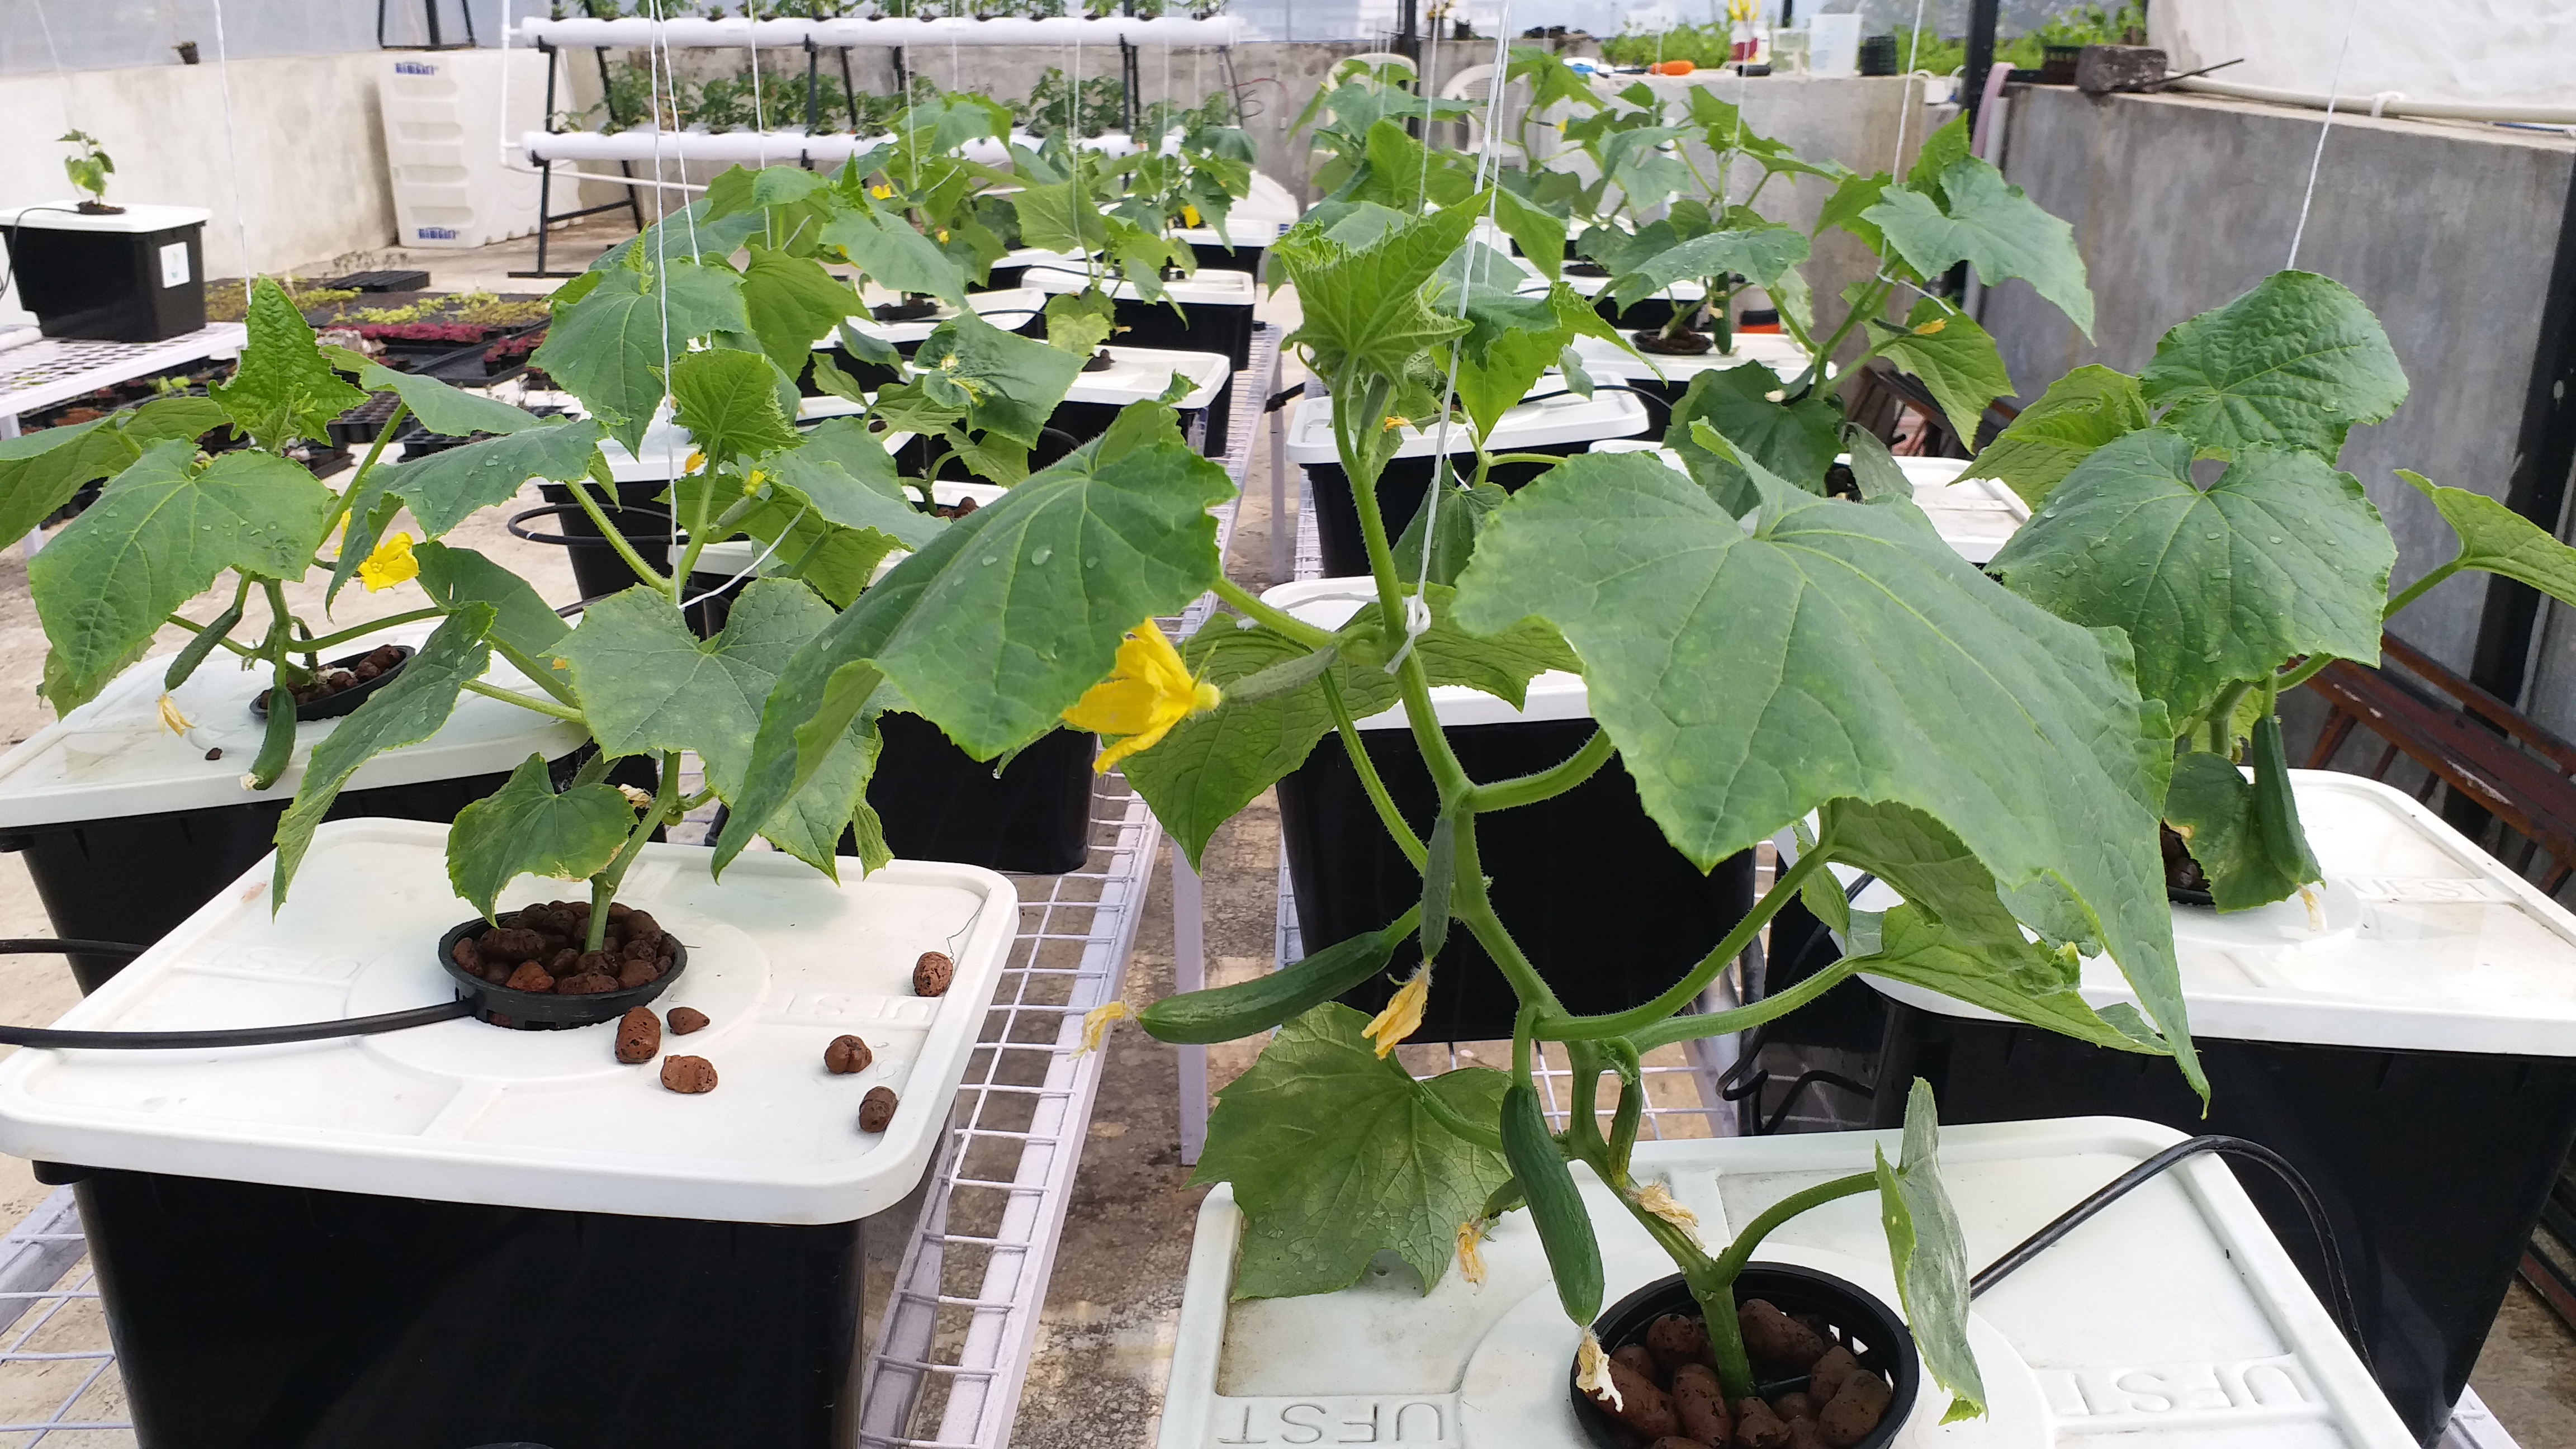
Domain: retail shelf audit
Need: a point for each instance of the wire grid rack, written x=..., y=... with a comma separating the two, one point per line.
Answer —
x=58, y=369
x=954, y=1345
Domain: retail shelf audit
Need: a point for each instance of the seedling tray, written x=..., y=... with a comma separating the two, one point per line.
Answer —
x=2173, y=1319
x=2412, y=1050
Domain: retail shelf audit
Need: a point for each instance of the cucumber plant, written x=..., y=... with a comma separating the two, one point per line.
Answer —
x=2197, y=507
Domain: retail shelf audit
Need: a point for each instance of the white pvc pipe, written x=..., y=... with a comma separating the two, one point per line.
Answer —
x=2387, y=103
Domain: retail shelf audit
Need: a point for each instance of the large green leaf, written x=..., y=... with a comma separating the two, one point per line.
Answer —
x=157, y=537
x=448, y=486
x=1953, y=356
x=1212, y=765
x=1797, y=440
x=42, y=470
x=728, y=400
x=1363, y=308
x=1850, y=205
x=1842, y=650
x=411, y=709
x=996, y=627
x=2492, y=537
x=2282, y=556
x=1063, y=217
x=282, y=390
x=692, y=233
x=523, y=628
x=792, y=302
x=1987, y=222
x=2251, y=848
x=525, y=828
x=848, y=478
x=894, y=255
x=809, y=826
x=1335, y=1158
x=1013, y=384
x=452, y=412
x=610, y=349
x=648, y=684
x=1759, y=254
x=1930, y=1254
x=2080, y=412
x=2293, y=363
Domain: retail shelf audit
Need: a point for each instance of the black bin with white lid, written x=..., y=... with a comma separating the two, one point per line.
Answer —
x=2405, y=1035
x=1603, y=905
x=135, y=274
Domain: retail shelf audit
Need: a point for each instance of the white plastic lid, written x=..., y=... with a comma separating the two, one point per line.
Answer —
x=1137, y=373
x=1555, y=416
x=1976, y=516
x=2172, y=1321
x=662, y=454
x=66, y=215
x=1007, y=309
x=112, y=757
x=1594, y=286
x=1209, y=287
x=1554, y=694
x=781, y=960
x=2418, y=941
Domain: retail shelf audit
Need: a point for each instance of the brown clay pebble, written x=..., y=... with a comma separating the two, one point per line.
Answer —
x=1806, y=1434
x=1677, y=1441
x=876, y=1109
x=1829, y=1373
x=639, y=1036
x=1675, y=1340
x=1856, y=1410
x=1643, y=1407
x=586, y=984
x=510, y=943
x=847, y=1055
x=1702, y=1405
x=1635, y=1356
x=1816, y=1321
x=932, y=973
x=688, y=1074
x=1775, y=1340
x=1793, y=1405
x=686, y=1019
x=1756, y=1427
x=466, y=954
x=530, y=977
x=631, y=974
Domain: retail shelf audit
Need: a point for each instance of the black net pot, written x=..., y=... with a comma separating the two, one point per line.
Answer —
x=498, y=1005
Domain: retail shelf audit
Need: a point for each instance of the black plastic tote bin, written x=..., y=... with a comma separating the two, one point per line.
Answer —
x=248, y=1316
x=1560, y=425
x=2407, y=1045
x=135, y=276
x=1206, y=313
x=1096, y=398
x=597, y=570
x=935, y=802
x=1605, y=908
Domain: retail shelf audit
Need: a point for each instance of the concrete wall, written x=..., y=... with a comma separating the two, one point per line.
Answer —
x=2447, y=231
x=306, y=131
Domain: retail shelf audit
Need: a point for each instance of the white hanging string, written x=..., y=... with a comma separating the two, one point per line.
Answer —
x=62, y=78
x=2317, y=161
x=1905, y=102
x=1417, y=609
x=232, y=152
x=759, y=113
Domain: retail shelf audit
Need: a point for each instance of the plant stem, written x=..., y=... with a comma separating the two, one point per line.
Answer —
x=1740, y=1252
x=1546, y=784
x=2305, y=672
x=1870, y=303
x=2222, y=713
x=545, y=707
x=2417, y=589
x=1743, y=1018
x=603, y=886
x=644, y=572
x=1277, y=621
x=1687, y=990
x=330, y=641
x=193, y=627
x=1366, y=768
x=1631, y=1109
x=698, y=531
x=1472, y=905
x=1457, y=1125
x=349, y=495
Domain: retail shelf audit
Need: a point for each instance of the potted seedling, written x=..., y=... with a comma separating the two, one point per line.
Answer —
x=120, y=273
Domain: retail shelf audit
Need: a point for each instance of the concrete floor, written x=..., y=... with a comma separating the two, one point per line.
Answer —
x=1106, y=1334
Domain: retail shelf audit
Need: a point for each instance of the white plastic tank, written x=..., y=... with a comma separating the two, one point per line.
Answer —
x=444, y=120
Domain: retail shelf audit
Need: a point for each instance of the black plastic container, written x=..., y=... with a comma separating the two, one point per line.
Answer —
x=346, y=701
x=533, y=1011
x=136, y=877
x=247, y=1316
x=937, y=803
x=1241, y=257
x=115, y=286
x=1205, y=426
x=1607, y=910
x=1860, y=1322
x=1218, y=327
x=2433, y=1166
x=1400, y=487
x=596, y=568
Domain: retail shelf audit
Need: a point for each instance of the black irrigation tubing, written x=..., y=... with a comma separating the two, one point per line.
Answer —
x=37, y=1036
x=2346, y=1316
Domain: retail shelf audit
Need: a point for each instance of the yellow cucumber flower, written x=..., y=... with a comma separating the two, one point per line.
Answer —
x=1471, y=1262
x=881, y=192
x=1403, y=1014
x=1659, y=1200
x=696, y=461
x=390, y=564
x=171, y=720
x=1593, y=1372
x=1095, y=1024
x=1144, y=696
x=1189, y=215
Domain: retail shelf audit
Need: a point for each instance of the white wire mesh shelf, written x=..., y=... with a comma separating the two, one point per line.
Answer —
x=54, y=370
